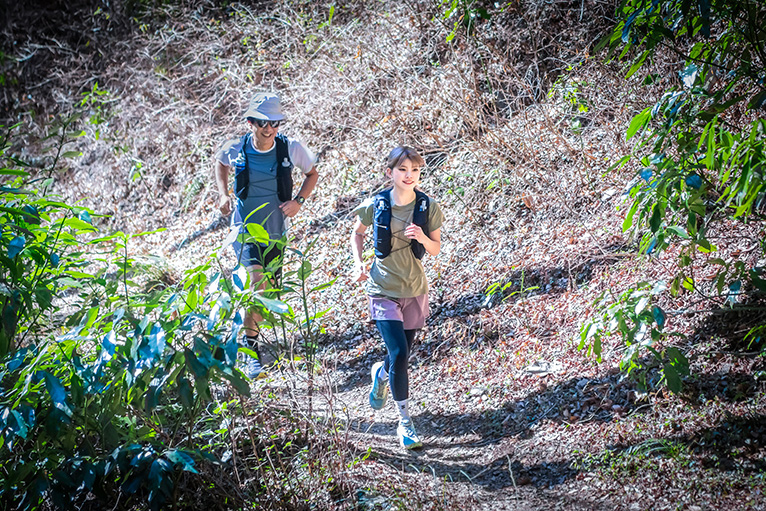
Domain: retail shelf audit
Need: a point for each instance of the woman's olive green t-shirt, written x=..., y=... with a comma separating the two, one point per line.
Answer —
x=401, y=274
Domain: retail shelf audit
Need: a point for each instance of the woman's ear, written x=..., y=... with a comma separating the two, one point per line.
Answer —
x=388, y=173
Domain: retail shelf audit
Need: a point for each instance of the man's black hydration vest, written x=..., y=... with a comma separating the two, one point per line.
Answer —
x=284, y=169
x=382, y=223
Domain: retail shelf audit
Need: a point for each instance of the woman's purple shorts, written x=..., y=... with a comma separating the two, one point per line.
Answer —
x=410, y=311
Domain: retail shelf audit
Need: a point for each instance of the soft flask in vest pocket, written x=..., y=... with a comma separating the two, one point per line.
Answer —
x=284, y=171
x=382, y=225
x=241, y=178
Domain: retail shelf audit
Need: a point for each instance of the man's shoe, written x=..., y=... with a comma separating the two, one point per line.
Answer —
x=379, y=391
x=253, y=368
x=250, y=365
x=408, y=438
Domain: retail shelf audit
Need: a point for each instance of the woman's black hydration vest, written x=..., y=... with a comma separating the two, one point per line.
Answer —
x=284, y=169
x=382, y=223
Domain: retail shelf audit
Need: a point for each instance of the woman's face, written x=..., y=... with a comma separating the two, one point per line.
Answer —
x=405, y=176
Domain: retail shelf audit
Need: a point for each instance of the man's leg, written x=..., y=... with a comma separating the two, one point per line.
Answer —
x=252, y=317
x=262, y=276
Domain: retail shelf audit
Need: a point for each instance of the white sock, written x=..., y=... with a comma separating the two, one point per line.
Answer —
x=382, y=373
x=404, y=411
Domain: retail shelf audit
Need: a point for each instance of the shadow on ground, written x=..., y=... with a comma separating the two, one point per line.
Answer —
x=526, y=282
x=435, y=343
x=584, y=399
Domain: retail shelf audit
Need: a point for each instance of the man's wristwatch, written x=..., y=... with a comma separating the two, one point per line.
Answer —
x=300, y=200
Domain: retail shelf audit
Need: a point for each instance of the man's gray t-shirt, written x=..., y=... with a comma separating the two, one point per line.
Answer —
x=262, y=167
x=401, y=274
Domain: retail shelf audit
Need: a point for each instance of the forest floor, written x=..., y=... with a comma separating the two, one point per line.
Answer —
x=512, y=414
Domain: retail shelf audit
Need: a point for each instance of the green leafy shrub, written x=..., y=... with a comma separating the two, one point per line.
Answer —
x=108, y=385
x=700, y=147
x=467, y=14
x=639, y=322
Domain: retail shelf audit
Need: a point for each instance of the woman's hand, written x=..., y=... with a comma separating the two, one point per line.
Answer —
x=360, y=273
x=414, y=232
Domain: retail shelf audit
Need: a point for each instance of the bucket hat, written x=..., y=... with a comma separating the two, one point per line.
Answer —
x=265, y=106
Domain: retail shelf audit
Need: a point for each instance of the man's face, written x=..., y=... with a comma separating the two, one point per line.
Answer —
x=264, y=132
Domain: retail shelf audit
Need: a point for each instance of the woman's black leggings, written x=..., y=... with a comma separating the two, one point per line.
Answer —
x=399, y=343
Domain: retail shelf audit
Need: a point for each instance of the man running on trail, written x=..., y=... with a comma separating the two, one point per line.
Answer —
x=262, y=160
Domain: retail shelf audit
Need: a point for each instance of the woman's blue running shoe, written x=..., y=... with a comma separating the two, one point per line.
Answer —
x=408, y=438
x=379, y=390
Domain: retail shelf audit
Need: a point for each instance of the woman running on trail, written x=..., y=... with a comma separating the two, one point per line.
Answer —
x=406, y=224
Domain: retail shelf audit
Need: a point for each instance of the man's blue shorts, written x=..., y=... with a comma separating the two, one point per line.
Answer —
x=254, y=254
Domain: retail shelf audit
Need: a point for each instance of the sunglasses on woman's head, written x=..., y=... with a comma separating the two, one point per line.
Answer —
x=261, y=123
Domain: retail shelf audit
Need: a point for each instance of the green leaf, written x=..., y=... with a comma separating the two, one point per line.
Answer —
x=57, y=392
x=77, y=224
x=13, y=172
x=628, y=222
x=258, y=233
x=678, y=231
x=157, y=339
x=641, y=305
x=619, y=163
x=705, y=246
x=20, y=427
x=672, y=378
x=637, y=65
x=675, y=286
x=239, y=383
x=194, y=365
x=638, y=122
x=16, y=246
x=185, y=392
x=90, y=317
x=305, y=270
x=4, y=344
x=757, y=101
x=84, y=215
x=44, y=297
x=152, y=397
x=323, y=286
x=656, y=219
x=156, y=474
x=181, y=458
x=689, y=75
x=597, y=347
x=678, y=360
x=272, y=305
x=71, y=154
x=721, y=107
x=757, y=281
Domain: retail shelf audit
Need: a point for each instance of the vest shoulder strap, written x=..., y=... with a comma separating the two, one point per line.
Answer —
x=420, y=218
x=241, y=175
x=284, y=169
x=381, y=219
x=420, y=215
x=283, y=150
